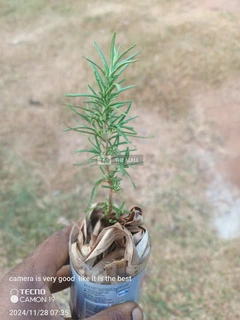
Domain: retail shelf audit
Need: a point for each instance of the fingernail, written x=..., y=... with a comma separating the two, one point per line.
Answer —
x=137, y=314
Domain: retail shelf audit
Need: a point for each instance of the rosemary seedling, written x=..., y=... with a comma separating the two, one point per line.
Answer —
x=106, y=123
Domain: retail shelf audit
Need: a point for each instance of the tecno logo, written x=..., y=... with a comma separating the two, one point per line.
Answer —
x=32, y=292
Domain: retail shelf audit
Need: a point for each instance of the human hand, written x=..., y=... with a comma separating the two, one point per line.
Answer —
x=48, y=262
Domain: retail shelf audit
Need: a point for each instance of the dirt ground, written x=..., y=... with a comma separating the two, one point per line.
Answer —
x=222, y=108
x=221, y=5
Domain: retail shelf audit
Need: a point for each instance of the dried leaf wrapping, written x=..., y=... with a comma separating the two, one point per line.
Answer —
x=110, y=251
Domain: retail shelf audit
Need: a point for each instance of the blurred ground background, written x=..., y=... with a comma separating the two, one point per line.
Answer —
x=187, y=96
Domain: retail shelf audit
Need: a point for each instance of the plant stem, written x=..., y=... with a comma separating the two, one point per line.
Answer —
x=110, y=194
x=109, y=181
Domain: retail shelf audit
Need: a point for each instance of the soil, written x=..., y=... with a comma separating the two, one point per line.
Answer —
x=222, y=111
x=223, y=5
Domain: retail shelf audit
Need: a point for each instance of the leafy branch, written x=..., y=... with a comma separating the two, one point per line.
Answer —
x=106, y=123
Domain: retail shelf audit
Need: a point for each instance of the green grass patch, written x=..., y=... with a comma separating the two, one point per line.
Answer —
x=29, y=214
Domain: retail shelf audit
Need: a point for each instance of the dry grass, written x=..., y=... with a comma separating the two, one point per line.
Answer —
x=187, y=50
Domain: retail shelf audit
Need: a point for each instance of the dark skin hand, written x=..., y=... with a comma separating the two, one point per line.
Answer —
x=50, y=260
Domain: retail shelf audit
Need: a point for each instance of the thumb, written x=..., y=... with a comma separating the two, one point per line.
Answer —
x=124, y=311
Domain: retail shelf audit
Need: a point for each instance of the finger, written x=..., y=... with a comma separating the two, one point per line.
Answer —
x=51, y=254
x=124, y=311
x=63, y=279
